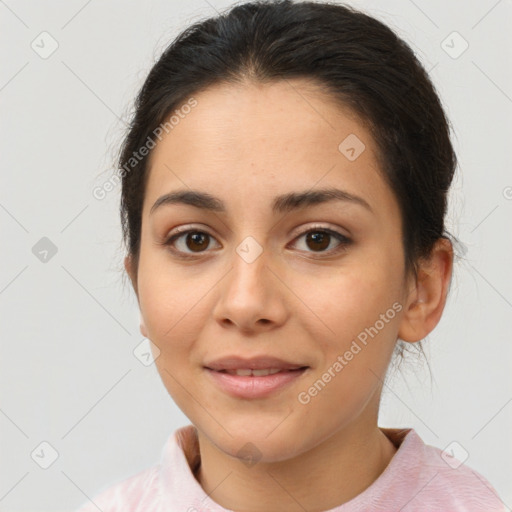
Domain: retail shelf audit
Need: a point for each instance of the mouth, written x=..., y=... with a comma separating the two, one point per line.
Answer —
x=263, y=372
x=248, y=383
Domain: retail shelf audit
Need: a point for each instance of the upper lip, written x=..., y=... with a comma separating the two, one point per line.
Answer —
x=253, y=363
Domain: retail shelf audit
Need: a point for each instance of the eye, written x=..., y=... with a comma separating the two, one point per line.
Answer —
x=195, y=240
x=188, y=242
x=318, y=239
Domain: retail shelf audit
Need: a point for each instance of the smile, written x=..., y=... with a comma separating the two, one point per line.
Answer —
x=251, y=384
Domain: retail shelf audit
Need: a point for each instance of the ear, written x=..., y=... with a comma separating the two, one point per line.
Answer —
x=128, y=265
x=143, y=329
x=427, y=298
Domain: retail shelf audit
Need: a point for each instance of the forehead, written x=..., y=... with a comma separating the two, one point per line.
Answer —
x=251, y=142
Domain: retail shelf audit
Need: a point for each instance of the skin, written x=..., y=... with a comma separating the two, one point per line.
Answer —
x=246, y=144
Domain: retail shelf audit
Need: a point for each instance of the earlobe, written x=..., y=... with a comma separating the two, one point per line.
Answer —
x=427, y=299
x=413, y=326
x=143, y=329
x=128, y=265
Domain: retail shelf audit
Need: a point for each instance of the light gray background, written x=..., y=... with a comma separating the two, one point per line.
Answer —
x=69, y=327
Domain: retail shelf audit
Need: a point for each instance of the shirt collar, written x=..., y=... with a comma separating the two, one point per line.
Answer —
x=178, y=486
x=180, y=490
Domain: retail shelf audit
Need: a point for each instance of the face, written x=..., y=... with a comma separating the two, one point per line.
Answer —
x=317, y=284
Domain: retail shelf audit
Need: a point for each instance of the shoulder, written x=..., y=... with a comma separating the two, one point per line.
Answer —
x=437, y=479
x=171, y=481
x=133, y=494
x=465, y=487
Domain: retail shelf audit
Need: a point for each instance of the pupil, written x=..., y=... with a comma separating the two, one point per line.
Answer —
x=319, y=237
x=197, y=238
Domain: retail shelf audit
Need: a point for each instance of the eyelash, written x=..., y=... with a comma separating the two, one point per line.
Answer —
x=343, y=241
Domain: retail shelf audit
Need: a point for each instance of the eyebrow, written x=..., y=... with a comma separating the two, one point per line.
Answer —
x=281, y=204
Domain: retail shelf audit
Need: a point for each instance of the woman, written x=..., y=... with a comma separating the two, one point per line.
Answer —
x=284, y=189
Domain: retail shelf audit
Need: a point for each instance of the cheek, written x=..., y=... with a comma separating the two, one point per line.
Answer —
x=167, y=303
x=171, y=310
x=357, y=312
x=343, y=303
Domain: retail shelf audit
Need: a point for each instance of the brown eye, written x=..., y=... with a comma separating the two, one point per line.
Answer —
x=189, y=242
x=318, y=240
x=197, y=240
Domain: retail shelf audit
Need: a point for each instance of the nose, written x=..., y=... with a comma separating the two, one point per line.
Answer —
x=252, y=296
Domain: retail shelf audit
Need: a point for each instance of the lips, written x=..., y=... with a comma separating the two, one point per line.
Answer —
x=254, y=386
x=256, y=377
x=237, y=365
x=245, y=372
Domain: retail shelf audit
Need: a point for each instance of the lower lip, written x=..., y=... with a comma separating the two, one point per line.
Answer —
x=254, y=387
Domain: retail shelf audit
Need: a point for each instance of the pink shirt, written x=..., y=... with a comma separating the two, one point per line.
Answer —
x=416, y=479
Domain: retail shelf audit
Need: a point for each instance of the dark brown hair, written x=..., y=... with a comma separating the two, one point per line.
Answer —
x=359, y=61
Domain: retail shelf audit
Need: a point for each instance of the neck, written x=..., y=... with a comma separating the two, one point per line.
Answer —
x=328, y=475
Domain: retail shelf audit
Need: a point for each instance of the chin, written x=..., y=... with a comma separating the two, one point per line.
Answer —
x=251, y=444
